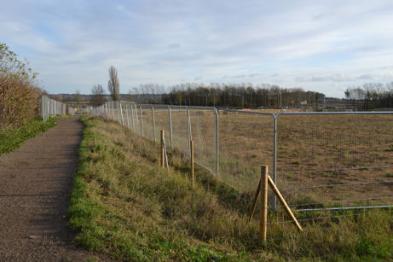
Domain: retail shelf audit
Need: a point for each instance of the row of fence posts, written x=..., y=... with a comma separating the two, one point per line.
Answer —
x=51, y=107
x=265, y=179
x=137, y=115
x=108, y=109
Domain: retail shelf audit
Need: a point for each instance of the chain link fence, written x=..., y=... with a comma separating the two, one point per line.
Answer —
x=320, y=161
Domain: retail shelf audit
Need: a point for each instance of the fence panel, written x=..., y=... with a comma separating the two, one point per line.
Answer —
x=161, y=117
x=148, y=130
x=203, y=133
x=322, y=159
x=246, y=143
x=330, y=160
x=180, y=129
x=50, y=107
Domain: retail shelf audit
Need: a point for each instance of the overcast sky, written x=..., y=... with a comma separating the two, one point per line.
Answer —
x=318, y=45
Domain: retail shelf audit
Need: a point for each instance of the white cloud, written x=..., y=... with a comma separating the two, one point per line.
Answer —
x=326, y=44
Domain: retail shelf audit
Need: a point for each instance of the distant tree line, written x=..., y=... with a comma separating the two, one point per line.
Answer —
x=371, y=95
x=242, y=96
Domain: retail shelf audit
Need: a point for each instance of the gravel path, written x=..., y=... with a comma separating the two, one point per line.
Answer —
x=35, y=184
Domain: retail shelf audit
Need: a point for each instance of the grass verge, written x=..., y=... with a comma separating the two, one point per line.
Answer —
x=127, y=207
x=11, y=139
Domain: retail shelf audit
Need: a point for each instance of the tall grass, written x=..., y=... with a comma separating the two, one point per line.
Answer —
x=126, y=206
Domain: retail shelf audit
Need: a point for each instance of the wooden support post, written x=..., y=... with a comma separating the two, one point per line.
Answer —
x=254, y=203
x=166, y=162
x=264, y=196
x=192, y=162
x=162, y=158
x=166, y=158
x=284, y=203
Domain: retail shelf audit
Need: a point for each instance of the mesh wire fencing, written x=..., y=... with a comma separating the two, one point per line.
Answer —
x=246, y=143
x=335, y=160
x=50, y=107
x=203, y=125
x=318, y=160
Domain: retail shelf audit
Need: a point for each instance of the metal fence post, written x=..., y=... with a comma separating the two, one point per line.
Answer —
x=189, y=129
x=273, y=200
x=140, y=107
x=128, y=117
x=42, y=108
x=113, y=111
x=114, y=108
x=110, y=110
x=121, y=114
x=154, y=124
x=50, y=107
x=136, y=118
x=217, y=134
x=170, y=126
x=47, y=107
x=132, y=117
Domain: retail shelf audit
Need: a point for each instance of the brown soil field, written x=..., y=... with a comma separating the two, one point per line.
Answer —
x=324, y=159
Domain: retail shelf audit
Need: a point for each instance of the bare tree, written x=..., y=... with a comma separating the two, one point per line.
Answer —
x=113, y=84
x=98, y=95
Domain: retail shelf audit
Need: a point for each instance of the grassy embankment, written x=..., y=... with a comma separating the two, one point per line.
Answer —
x=12, y=138
x=126, y=206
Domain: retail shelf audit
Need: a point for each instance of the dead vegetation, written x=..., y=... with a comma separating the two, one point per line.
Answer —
x=19, y=97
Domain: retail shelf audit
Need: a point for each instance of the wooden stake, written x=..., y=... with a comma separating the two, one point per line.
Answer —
x=192, y=163
x=166, y=162
x=166, y=159
x=264, y=196
x=254, y=203
x=284, y=203
x=162, y=158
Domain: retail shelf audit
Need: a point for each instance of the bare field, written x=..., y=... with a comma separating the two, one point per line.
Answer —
x=324, y=159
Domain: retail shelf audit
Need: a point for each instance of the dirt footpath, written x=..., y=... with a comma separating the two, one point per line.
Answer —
x=35, y=184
